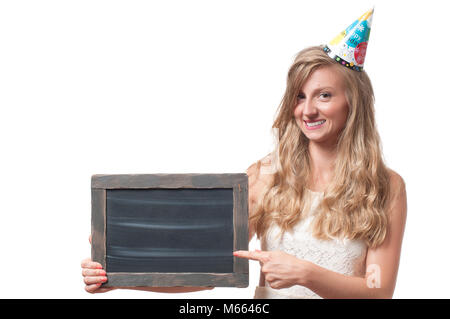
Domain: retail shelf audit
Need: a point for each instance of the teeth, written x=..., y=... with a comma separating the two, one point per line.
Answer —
x=315, y=123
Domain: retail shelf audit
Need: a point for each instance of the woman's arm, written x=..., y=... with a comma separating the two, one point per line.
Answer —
x=283, y=270
x=381, y=262
x=169, y=289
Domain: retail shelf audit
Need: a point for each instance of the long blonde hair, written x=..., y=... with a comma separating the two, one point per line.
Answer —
x=354, y=203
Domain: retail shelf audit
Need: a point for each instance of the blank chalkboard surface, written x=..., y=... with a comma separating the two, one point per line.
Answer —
x=164, y=230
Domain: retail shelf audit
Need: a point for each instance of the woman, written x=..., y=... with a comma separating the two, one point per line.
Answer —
x=329, y=213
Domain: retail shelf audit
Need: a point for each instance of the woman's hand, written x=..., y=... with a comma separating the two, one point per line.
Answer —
x=94, y=276
x=281, y=269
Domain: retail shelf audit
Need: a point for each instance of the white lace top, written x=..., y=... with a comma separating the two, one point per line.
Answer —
x=342, y=256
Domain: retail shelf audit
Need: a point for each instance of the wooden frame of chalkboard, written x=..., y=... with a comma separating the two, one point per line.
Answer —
x=232, y=272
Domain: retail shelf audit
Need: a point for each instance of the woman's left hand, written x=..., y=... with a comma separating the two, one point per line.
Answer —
x=281, y=269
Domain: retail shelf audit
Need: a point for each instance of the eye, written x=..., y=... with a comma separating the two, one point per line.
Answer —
x=300, y=96
x=325, y=95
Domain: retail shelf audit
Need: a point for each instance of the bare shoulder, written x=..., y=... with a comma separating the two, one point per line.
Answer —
x=397, y=198
x=260, y=175
x=397, y=183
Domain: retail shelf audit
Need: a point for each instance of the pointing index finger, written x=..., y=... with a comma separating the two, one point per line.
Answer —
x=252, y=255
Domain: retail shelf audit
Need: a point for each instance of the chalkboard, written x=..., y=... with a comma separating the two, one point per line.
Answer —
x=170, y=229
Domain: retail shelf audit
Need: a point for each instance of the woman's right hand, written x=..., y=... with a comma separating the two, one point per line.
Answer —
x=94, y=276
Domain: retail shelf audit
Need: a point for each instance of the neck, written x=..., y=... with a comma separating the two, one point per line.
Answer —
x=322, y=159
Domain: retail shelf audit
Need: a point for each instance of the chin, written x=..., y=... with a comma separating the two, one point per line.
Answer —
x=317, y=137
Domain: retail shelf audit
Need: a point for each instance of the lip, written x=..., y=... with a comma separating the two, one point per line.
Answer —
x=314, y=127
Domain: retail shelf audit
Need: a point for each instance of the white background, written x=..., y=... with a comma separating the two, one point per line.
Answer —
x=96, y=87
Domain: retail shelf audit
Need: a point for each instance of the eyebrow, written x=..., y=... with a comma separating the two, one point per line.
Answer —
x=320, y=89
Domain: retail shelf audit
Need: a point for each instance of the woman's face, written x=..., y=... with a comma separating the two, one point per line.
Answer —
x=322, y=107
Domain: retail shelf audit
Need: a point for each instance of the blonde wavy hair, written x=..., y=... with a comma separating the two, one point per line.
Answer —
x=354, y=203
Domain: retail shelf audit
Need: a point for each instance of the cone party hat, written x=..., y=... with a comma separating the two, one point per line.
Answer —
x=349, y=47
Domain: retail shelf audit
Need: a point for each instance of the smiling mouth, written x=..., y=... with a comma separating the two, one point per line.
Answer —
x=314, y=124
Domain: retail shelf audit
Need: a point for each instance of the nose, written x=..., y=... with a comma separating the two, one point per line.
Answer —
x=310, y=110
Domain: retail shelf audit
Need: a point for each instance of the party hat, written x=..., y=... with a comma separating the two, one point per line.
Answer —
x=349, y=47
